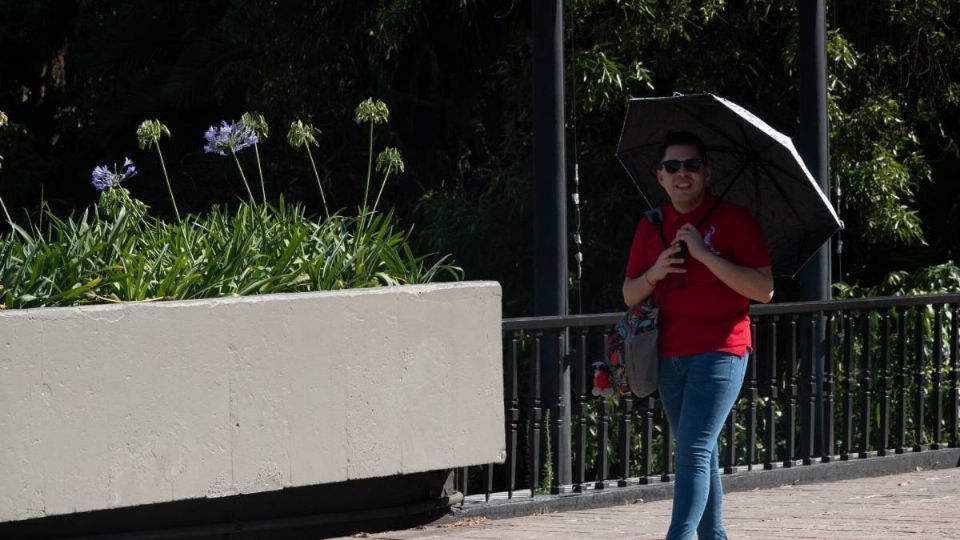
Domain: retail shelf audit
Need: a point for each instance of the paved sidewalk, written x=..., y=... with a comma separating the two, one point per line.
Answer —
x=924, y=504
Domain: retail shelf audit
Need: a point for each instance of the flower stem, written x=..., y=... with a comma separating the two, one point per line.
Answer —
x=366, y=189
x=316, y=174
x=376, y=202
x=263, y=187
x=167, y=178
x=244, y=177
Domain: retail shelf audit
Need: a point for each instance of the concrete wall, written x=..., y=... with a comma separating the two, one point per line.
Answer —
x=121, y=405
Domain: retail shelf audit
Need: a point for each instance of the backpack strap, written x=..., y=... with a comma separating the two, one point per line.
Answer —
x=655, y=217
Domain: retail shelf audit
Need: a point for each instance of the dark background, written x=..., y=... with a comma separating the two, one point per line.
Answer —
x=77, y=78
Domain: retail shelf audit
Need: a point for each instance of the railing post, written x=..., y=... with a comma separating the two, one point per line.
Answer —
x=583, y=412
x=730, y=431
x=626, y=422
x=562, y=482
x=461, y=475
x=848, y=383
x=866, y=383
x=920, y=380
x=535, y=416
x=489, y=487
x=772, y=398
x=827, y=445
x=792, y=396
x=647, y=406
x=954, y=375
x=811, y=409
x=937, y=377
x=603, y=439
x=667, y=450
x=513, y=414
x=885, y=380
x=751, y=395
x=902, y=380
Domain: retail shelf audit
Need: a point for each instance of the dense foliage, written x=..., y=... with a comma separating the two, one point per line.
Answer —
x=77, y=76
x=98, y=257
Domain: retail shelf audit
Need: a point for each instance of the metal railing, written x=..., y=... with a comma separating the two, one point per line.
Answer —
x=888, y=384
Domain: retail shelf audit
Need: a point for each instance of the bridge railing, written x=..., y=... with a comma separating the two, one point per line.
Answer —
x=888, y=384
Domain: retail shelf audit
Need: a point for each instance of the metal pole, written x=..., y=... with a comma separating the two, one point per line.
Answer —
x=813, y=145
x=550, y=216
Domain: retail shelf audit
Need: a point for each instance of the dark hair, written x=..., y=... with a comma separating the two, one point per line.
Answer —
x=683, y=138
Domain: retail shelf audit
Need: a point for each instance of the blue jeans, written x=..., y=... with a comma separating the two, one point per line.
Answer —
x=698, y=392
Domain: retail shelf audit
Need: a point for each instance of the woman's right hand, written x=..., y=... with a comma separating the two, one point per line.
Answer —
x=669, y=262
x=641, y=287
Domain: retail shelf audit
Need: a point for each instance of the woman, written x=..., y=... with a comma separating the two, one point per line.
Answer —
x=703, y=263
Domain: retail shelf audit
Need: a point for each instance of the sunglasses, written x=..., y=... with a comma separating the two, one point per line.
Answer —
x=673, y=165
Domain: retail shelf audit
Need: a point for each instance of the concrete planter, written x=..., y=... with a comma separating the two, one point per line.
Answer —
x=132, y=404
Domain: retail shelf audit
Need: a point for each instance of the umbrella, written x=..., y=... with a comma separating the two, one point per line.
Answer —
x=754, y=166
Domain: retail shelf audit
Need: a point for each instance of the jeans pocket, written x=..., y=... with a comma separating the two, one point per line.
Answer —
x=737, y=373
x=729, y=372
x=742, y=363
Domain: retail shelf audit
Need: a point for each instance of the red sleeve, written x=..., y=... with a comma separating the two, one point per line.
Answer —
x=750, y=248
x=637, y=262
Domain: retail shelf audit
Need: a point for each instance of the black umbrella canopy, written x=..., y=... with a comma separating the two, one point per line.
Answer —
x=753, y=164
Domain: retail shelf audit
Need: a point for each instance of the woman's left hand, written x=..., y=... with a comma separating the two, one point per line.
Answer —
x=691, y=235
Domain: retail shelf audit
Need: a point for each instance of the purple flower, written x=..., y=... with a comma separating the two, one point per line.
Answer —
x=229, y=138
x=104, y=178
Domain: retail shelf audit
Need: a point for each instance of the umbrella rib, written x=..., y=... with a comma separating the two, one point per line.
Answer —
x=778, y=187
x=734, y=179
x=763, y=162
x=642, y=194
x=709, y=125
x=784, y=170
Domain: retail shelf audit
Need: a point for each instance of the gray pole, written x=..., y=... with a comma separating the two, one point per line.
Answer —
x=550, y=220
x=813, y=145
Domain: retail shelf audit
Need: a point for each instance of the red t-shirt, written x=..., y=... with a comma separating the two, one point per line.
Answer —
x=698, y=312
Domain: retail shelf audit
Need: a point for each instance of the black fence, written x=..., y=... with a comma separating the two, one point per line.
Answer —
x=886, y=382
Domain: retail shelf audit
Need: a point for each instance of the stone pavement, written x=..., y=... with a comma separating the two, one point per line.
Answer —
x=922, y=504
